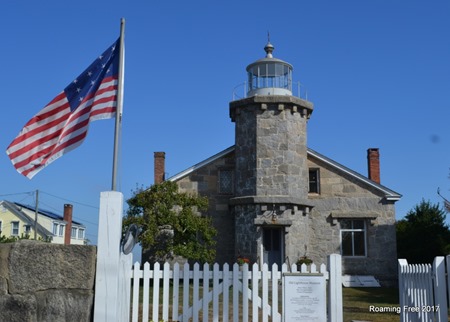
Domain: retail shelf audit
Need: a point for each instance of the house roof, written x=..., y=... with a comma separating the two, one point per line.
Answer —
x=389, y=194
x=201, y=164
x=46, y=213
x=17, y=212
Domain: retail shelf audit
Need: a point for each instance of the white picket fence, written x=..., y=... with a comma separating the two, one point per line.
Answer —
x=423, y=291
x=230, y=294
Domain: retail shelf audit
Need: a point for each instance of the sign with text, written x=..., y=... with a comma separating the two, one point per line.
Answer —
x=304, y=297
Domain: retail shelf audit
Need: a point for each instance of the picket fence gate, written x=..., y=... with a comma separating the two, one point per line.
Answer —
x=212, y=294
x=423, y=291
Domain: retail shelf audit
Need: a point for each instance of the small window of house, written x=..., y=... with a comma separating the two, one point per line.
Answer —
x=15, y=228
x=58, y=229
x=80, y=233
x=314, y=183
x=74, y=232
x=27, y=229
x=226, y=181
x=353, y=237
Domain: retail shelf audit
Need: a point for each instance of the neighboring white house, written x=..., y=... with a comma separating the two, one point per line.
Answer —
x=18, y=220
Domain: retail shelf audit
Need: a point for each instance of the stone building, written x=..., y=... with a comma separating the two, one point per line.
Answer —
x=274, y=200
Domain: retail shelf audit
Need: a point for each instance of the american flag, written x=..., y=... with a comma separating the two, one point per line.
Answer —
x=62, y=124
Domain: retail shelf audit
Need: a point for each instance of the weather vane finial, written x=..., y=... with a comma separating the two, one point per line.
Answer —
x=269, y=47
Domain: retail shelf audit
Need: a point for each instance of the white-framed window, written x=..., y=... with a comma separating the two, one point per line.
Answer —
x=80, y=233
x=58, y=229
x=353, y=237
x=74, y=232
x=27, y=229
x=14, y=228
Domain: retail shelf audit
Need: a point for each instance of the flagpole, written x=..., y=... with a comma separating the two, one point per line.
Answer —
x=118, y=126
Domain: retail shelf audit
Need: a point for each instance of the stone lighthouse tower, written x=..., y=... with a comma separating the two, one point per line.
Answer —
x=271, y=205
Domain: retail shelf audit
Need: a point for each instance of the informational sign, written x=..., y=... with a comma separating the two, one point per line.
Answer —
x=359, y=281
x=304, y=297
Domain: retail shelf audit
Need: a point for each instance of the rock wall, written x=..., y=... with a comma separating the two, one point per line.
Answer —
x=46, y=282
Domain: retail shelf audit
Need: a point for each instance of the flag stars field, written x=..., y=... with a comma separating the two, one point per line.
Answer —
x=62, y=125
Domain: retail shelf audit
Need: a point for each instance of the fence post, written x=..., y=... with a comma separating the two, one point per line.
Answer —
x=440, y=292
x=402, y=265
x=335, y=288
x=124, y=287
x=447, y=259
x=108, y=257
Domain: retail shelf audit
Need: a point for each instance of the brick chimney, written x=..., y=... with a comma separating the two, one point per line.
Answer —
x=373, y=162
x=68, y=219
x=160, y=167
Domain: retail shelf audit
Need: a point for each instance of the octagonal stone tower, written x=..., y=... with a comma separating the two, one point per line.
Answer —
x=271, y=173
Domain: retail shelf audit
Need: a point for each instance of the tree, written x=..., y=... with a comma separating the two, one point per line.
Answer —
x=423, y=234
x=171, y=224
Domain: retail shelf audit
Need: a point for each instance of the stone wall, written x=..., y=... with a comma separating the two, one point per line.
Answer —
x=271, y=146
x=313, y=230
x=205, y=181
x=46, y=282
x=342, y=198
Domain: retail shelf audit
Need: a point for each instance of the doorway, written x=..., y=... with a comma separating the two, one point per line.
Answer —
x=273, y=246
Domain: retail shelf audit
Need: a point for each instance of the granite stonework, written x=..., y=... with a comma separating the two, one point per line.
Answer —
x=205, y=182
x=46, y=282
x=311, y=225
x=270, y=145
x=271, y=165
x=271, y=171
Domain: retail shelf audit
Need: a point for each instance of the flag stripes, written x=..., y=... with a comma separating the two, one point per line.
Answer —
x=62, y=125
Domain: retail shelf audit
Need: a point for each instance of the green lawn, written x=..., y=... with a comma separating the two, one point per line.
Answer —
x=359, y=304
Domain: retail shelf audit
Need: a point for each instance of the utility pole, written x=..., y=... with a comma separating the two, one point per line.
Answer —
x=36, y=214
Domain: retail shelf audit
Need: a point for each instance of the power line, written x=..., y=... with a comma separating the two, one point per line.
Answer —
x=18, y=193
x=75, y=202
x=74, y=217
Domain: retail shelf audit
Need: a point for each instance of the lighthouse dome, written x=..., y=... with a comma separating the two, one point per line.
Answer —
x=269, y=75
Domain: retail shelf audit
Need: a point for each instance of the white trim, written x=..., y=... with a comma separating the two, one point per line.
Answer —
x=27, y=229
x=60, y=228
x=352, y=230
x=82, y=232
x=390, y=194
x=201, y=164
x=12, y=227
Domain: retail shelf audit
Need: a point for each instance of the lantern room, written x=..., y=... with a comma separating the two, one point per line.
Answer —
x=269, y=76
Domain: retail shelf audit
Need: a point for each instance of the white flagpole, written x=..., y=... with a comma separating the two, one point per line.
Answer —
x=119, y=108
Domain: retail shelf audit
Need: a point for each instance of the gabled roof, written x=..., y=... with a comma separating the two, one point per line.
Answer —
x=389, y=194
x=201, y=164
x=17, y=212
x=46, y=213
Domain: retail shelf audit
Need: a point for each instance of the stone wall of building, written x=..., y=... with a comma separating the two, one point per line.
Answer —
x=205, y=182
x=312, y=230
x=341, y=198
x=271, y=146
x=46, y=282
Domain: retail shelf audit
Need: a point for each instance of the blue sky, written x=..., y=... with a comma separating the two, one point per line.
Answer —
x=378, y=73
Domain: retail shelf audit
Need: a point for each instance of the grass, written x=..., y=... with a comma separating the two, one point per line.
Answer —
x=358, y=301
